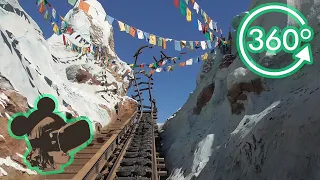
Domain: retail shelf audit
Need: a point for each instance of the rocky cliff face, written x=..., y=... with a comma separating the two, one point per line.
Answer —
x=30, y=65
x=249, y=127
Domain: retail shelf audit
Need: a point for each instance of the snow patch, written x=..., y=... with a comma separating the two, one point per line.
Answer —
x=10, y=163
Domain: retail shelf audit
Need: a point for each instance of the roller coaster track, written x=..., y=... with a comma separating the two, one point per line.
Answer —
x=127, y=150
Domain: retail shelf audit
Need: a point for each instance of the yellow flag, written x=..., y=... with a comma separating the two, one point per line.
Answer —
x=205, y=16
x=152, y=39
x=121, y=26
x=211, y=36
x=189, y=14
x=204, y=56
x=183, y=44
x=151, y=65
x=55, y=28
x=84, y=51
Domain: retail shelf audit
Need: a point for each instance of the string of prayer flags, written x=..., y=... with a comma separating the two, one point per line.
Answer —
x=150, y=38
x=185, y=11
x=159, y=66
x=43, y=9
x=135, y=32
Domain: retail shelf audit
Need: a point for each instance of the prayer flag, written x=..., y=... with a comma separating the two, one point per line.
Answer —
x=209, y=44
x=191, y=44
x=84, y=6
x=147, y=35
x=177, y=46
x=72, y=2
x=55, y=28
x=203, y=45
x=158, y=69
x=109, y=19
x=183, y=44
x=196, y=7
x=121, y=26
x=42, y=8
x=204, y=56
x=164, y=43
x=160, y=41
x=182, y=64
x=140, y=34
x=127, y=28
x=46, y=15
x=199, y=25
x=189, y=15
x=152, y=39
x=189, y=62
x=176, y=3
x=183, y=7
x=132, y=31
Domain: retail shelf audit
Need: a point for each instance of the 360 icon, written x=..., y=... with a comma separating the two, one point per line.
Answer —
x=288, y=40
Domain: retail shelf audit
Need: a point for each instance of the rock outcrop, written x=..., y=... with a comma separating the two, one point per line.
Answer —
x=252, y=127
x=84, y=84
x=127, y=108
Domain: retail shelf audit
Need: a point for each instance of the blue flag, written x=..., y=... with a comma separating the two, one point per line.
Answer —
x=109, y=19
x=177, y=46
x=209, y=44
x=147, y=36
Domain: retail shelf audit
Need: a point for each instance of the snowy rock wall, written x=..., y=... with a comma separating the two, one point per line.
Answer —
x=250, y=128
x=31, y=65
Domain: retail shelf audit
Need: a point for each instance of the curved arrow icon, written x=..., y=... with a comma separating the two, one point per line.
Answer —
x=302, y=56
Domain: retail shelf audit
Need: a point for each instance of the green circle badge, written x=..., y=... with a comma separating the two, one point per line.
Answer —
x=275, y=40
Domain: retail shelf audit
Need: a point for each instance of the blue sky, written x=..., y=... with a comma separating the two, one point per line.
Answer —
x=163, y=19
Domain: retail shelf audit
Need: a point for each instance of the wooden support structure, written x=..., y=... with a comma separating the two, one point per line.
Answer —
x=136, y=95
x=144, y=83
x=144, y=106
x=144, y=89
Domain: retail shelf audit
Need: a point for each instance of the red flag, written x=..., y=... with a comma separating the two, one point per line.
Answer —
x=176, y=3
x=64, y=39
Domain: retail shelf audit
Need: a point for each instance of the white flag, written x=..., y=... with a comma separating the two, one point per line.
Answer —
x=140, y=34
x=158, y=69
x=199, y=25
x=164, y=62
x=189, y=62
x=203, y=45
x=196, y=7
x=211, y=25
x=53, y=13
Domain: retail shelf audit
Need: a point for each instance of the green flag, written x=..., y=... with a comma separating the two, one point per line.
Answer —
x=183, y=7
x=72, y=2
x=207, y=35
x=46, y=15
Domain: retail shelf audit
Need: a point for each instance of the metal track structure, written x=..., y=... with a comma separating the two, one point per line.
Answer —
x=123, y=150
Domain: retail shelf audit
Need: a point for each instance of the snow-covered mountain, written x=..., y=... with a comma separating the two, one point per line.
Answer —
x=31, y=65
x=238, y=126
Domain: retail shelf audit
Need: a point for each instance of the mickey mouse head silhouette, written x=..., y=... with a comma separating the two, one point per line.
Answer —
x=51, y=138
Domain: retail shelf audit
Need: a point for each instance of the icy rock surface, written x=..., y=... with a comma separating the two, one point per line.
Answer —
x=32, y=65
x=251, y=128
